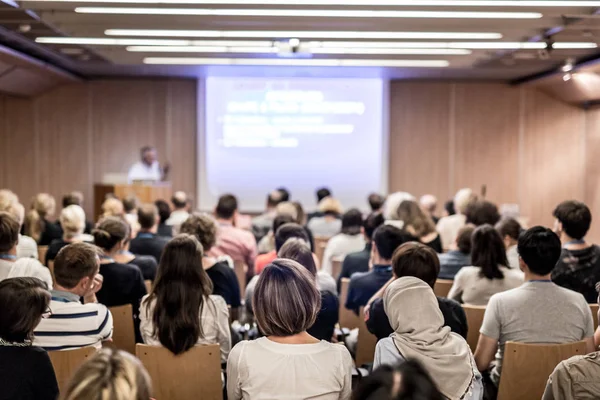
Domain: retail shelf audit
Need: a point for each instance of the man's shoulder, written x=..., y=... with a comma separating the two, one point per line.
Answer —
x=359, y=277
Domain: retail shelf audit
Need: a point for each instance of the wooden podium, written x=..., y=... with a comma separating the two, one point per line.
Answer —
x=146, y=193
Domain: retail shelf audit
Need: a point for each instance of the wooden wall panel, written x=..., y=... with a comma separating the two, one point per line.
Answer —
x=592, y=170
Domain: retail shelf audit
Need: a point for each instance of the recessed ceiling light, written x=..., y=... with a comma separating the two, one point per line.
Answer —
x=422, y=3
x=112, y=41
x=297, y=62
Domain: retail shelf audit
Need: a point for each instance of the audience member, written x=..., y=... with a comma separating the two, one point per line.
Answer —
x=321, y=193
x=130, y=208
x=390, y=208
x=285, y=194
x=448, y=226
x=578, y=267
x=419, y=224
x=112, y=207
x=489, y=274
x=419, y=334
x=363, y=285
x=449, y=208
x=288, y=362
x=328, y=223
x=74, y=324
x=110, y=374
x=407, y=381
x=459, y=254
x=376, y=202
x=482, y=212
x=265, y=259
x=262, y=223
x=76, y=198
x=420, y=261
x=147, y=242
x=121, y=231
x=302, y=220
x=267, y=243
x=223, y=278
x=180, y=310
x=181, y=211
x=234, y=242
x=359, y=261
x=38, y=221
x=429, y=204
x=510, y=229
x=7, y=199
x=164, y=213
x=26, y=370
x=26, y=247
x=72, y=222
x=349, y=240
x=536, y=312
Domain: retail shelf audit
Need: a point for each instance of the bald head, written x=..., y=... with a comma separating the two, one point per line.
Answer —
x=274, y=198
x=179, y=200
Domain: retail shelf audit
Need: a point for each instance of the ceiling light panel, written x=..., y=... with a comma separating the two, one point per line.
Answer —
x=393, y=3
x=296, y=62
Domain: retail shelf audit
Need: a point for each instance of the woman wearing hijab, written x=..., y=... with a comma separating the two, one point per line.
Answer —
x=420, y=334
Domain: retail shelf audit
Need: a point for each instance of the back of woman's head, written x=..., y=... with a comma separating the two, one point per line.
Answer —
x=109, y=232
x=72, y=221
x=112, y=207
x=299, y=251
x=110, y=375
x=42, y=207
x=287, y=208
x=179, y=292
x=408, y=381
x=286, y=300
x=24, y=302
x=488, y=252
x=413, y=216
x=7, y=199
x=164, y=210
x=203, y=227
x=352, y=222
x=392, y=202
x=330, y=205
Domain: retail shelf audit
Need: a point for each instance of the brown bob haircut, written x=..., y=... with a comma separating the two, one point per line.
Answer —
x=418, y=260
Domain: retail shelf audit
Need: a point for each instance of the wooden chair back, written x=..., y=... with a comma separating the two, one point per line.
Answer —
x=195, y=374
x=148, y=284
x=42, y=250
x=241, y=271
x=594, y=309
x=365, y=346
x=336, y=266
x=66, y=362
x=51, y=268
x=474, y=320
x=347, y=318
x=442, y=287
x=526, y=367
x=320, y=244
x=123, y=332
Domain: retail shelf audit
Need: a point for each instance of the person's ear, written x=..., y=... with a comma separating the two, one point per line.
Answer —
x=522, y=266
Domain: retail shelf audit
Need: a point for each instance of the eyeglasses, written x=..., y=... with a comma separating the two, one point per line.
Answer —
x=46, y=314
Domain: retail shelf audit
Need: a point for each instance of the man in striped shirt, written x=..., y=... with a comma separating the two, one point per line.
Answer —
x=74, y=324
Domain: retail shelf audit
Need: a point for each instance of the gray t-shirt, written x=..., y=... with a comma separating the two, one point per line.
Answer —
x=536, y=312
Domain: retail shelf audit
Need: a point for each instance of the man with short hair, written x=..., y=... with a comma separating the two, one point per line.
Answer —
x=263, y=223
x=232, y=241
x=148, y=168
x=578, y=267
x=265, y=259
x=429, y=204
x=538, y=311
x=180, y=211
x=321, y=193
x=459, y=255
x=147, y=242
x=376, y=202
x=73, y=324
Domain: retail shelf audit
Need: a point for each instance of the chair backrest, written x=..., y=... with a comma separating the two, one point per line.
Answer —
x=474, y=320
x=123, y=332
x=66, y=362
x=442, y=287
x=347, y=318
x=42, y=250
x=365, y=346
x=526, y=367
x=320, y=244
x=148, y=284
x=336, y=266
x=241, y=271
x=594, y=309
x=195, y=374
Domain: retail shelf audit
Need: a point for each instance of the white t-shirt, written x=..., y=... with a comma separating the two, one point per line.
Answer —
x=472, y=288
x=142, y=172
x=25, y=267
x=27, y=247
x=340, y=245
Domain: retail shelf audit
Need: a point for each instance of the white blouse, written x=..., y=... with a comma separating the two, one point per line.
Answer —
x=214, y=320
x=470, y=287
x=263, y=369
x=341, y=245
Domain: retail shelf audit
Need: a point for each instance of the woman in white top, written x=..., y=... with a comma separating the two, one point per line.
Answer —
x=350, y=240
x=510, y=229
x=490, y=273
x=287, y=362
x=180, y=311
x=329, y=223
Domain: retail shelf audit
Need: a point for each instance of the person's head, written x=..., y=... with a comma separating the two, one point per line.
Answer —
x=392, y=203
x=179, y=292
x=463, y=239
x=111, y=234
x=407, y=381
x=148, y=216
x=462, y=198
x=75, y=267
x=414, y=218
x=418, y=260
x=25, y=301
x=300, y=215
x=386, y=239
x=203, y=227
x=449, y=208
x=73, y=198
x=285, y=194
x=42, y=208
x=352, y=222
x=227, y=207
x=376, y=201
x=7, y=199
x=488, y=252
x=573, y=220
x=539, y=250
x=330, y=206
x=429, y=203
x=280, y=220
x=509, y=229
x=164, y=210
x=288, y=231
x=287, y=208
x=112, y=207
x=322, y=193
x=482, y=212
x=110, y=374
x=72, y=221
x=179, y=200
x=44, y=204
x=372, y=222
x=299, y=251
x=286, y=300
x=9, y=233
x=18, y=211
x=130, y=204
x=273, y=198
x=148, y=155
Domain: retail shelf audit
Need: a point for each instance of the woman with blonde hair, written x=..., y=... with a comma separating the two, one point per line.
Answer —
x=110, y=374
x=330, y=223
x=72, y=221
x=112, y=207
x=419, y=224
x=38, y=224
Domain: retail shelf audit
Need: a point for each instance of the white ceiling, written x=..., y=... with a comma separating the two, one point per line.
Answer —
x=562, y=24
